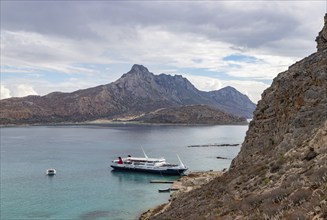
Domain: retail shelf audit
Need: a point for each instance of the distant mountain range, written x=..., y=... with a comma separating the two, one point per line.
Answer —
x=135, y=93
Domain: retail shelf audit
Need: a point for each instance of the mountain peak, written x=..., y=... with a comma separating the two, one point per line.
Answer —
x=228, y=88
x=229, y=91
x=139, y=69
x=233, y=101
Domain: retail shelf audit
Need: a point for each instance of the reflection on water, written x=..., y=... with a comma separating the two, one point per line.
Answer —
x=140, y=177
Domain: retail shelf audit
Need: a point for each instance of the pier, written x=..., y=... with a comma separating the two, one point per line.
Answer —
x=161, y=181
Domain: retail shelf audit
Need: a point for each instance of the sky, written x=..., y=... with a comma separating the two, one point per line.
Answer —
x=65, y=46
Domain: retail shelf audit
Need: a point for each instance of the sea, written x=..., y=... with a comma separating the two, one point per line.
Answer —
x=85, y=187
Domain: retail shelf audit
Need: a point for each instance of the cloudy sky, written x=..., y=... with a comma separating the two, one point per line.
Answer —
x=64, y=46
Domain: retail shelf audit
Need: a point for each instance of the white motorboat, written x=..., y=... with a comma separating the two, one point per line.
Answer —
x=149, y=165
x=164, y=190
x=50, y=172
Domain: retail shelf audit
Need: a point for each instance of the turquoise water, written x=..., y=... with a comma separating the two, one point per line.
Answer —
x=85, y=187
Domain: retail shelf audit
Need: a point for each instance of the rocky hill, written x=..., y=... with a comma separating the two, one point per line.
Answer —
x=232, y=101
x=190, y=114
x=136, y=92
x=281, y=170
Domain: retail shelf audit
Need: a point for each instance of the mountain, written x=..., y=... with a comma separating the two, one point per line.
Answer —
x=232, y=101
x=136, y=92
x=190, y=114
x=281, y=170
x=141, y=90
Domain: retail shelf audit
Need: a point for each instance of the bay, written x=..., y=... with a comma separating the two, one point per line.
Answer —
x=85, y=186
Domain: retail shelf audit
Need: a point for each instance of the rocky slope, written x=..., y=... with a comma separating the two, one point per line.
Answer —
x=190, y=114
x=136, y=92
x=232, y=101
x=281, y=170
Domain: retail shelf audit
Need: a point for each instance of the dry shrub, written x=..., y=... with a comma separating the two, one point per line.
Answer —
x=314, y=200
x=300, y=196
x=255, y=216
x=274, y=167
x=319, y=176
x=245, y=207
x=230, y=204
x=252, y=200
x=322, y=161
x=324, y=212
x=294, y=177
x=279, y=194
x=292, y=181
x=271, y=210
x=323, y=150
x=258, y=170
x=296, y=215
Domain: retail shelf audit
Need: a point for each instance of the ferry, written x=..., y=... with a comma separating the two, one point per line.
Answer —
x=148, y=165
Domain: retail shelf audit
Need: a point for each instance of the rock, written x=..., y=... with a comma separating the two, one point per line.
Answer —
x=281, y=170
x=322, y=37
x=310, y=155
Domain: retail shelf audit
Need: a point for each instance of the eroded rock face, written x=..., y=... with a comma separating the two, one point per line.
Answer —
x=322, y=37
x=281, y=170
x=290, y=110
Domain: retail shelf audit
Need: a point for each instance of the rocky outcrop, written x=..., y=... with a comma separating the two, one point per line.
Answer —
x=322, y=37
x=138, y=91
x=281, y=170
x=190, y=114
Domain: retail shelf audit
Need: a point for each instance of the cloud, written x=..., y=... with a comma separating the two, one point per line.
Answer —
x=4, y=93
x=18, y=90
x=31, y=50
x=35, y=52
x=23, y=90
x=46, y=57
x=258, y=24
x=252, y=89
x=40, y=86
x=69, y=45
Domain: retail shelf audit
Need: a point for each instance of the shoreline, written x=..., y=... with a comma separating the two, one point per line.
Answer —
x=185, y=184
x=113, y=122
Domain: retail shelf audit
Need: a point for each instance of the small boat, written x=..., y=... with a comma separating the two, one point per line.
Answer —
x=148, y=165
x=50, y=172
x=164, y=190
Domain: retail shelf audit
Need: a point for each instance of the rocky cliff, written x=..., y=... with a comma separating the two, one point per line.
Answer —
x=281, y=170
x=322, y=37
x=138, y=91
